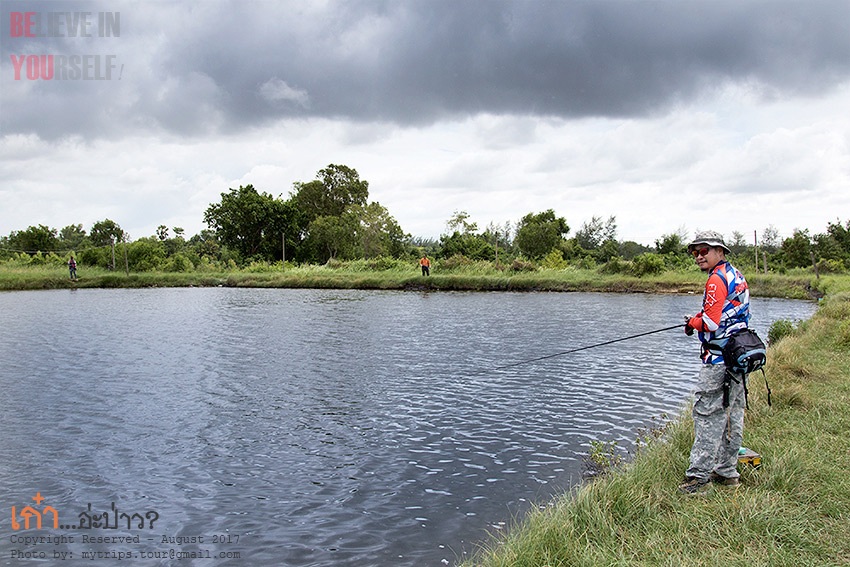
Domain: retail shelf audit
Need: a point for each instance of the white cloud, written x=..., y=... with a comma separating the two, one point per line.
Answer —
x=276, y=90
x=194, y=115
x=692, y=168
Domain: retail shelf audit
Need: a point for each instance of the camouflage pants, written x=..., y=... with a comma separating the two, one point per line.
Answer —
x=718, y=431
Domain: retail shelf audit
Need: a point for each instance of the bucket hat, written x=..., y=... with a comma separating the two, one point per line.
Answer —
x=709, y=237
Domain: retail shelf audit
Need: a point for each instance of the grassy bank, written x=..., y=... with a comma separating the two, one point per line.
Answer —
x=798, y=286
x=793, y=510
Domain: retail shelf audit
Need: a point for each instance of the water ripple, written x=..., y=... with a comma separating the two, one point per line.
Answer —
x=327, y=427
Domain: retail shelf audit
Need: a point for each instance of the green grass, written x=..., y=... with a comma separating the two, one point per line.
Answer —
x=50, y=277
x=363, y=275
x=794, y=510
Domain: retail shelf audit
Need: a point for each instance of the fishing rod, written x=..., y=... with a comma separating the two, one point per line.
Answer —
x=679, y=326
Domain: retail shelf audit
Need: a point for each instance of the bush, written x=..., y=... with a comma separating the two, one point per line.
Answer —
x=615, y=266
x=648, y=264
x=143, y=255
x=179, y=263
x=602, y=458
x=674, y=261
x=584, y=263
x=831, y=267
x=206, y=264
x=520, y=265
x=100, y=257
x=19, y=259
x=454, y=262
x=780, y=329
x=384, y=263
x=554, y=260
x=49, y=259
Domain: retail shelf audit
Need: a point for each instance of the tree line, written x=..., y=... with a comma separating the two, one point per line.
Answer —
x=331, y=219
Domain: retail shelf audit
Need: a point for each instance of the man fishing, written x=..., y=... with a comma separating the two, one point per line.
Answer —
x=718, y=415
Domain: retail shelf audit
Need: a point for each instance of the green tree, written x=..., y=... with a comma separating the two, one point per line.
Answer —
x=205, y=244
x=104, y=232
x=631, y=249
x=459, y=222
x=379, y=234
x=537, y=234
x=595, y=233
x=841, y=235
x=6, y=251
x=145, y=254
x=827, y=247
x=797, y=249
x=770, y=240
x=335, y=189
x=499, y=235
x=250, y=222
x=738, y=242
x=72, y=237
x=176, y=244
x=610, y=249
x=95, y=257
x=332, y=237
x=179, y=263
x=417, y=246
x=34, y=239
x=336, y=220
x=470, y=245
x=461, y=239
x=672, y=243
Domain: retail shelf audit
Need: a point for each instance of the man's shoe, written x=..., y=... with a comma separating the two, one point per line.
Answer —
x=724, y=480
x=694, y=485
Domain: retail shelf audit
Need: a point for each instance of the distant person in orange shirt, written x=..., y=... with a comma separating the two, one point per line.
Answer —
x=425, y=264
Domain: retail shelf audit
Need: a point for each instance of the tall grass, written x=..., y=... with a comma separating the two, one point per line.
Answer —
x=51, y=277
x=794, y=510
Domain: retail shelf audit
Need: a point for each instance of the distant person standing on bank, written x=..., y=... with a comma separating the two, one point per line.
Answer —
x=425, y=264
x=72, y=268
x=718, y=424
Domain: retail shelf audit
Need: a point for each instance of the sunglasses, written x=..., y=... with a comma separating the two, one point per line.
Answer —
x=701, y=252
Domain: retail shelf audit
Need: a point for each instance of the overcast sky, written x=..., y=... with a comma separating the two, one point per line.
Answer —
x=669, y=115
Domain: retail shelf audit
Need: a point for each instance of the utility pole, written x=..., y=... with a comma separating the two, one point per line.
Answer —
x=756, y=245
x=283, y=247
x=112, y=243
x=126, y=261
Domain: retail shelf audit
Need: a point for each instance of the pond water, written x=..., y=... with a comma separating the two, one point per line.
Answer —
x=315, y=427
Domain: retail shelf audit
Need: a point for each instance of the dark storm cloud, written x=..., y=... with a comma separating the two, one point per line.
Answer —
x=200, y=68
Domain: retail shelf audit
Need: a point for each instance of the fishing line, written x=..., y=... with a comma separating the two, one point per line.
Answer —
x=679, y=326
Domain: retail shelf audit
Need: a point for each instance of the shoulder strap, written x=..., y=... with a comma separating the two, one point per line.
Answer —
x=766, y=385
